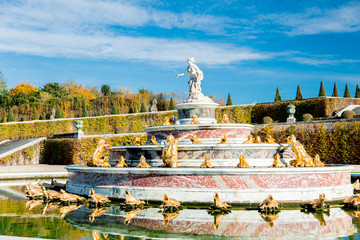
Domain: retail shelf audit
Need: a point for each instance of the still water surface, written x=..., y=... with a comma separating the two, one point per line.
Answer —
x=37, y=220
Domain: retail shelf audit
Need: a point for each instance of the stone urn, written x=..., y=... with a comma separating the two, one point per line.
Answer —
x=291, y=110
x=79, y=125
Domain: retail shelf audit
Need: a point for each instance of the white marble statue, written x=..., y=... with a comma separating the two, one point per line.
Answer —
x=196, y=76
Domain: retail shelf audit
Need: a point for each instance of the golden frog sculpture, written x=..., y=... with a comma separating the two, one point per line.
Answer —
x=143, y=163
x=316, y=204
x=258, y=139
x=317, y=161
x=269, y=205
x=302, y=158
x=167, y=121
x=206, y=163
x=97, y=212
x=195, y=140
x=170, y=204
x=131, y=200
x=242, y=162
x=67, y=198
x=356, y=185
x=97, y=199
x=223, y=140
x=100, y=157
x=219, y=205
x=251, y=139
x=121, y=162
x=153, y=141
x=195, y=120
x=277, y=162
x=225, y=119
x=50, y=195
x=137, y=141
x=170, y=151
x=33, y=192
x=269, y=139
x=352, y=201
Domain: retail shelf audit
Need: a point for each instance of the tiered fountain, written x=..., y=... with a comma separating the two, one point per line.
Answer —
x=184, y=180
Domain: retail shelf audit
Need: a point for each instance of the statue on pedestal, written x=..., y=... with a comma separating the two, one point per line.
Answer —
x=196, y=76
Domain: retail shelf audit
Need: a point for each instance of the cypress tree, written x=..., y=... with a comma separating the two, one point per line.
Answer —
x=143, y=108
x=113, y=109
x=100, y=113
x=136, y=110
x=43, y=116
x=84, y=111
x=171, y=106
x=10, y=116
x=298, y=93
x=357, y=92
x=4, y=119
x=24, y=118
x=277, y=96
x=347, y=92
x=34, y=115
x=57, y=112
x=62, y=115
x=229, y=101
x=322, y=90
x=335, y=91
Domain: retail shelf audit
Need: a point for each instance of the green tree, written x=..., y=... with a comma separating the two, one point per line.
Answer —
x=322, y=90
x=3, y=84
x=113, y=109
x=229, y=101
x=298, y=93
x=347, y=92
x=43, y=116
x=142, y=108
x=161, y=102
x=34, y=115
x=335, y=91
x=57, y=112
x=171, y=106
x=100, y=113
x=357, y=92
x=55, y=90
x=24, y=118
x=84, y=111
x=105, y=89
x=136, y=109
x=4, y=119
x=277, y=96
x=10, y=116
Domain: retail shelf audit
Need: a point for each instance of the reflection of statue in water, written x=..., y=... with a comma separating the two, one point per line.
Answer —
x=196, y=76
x=170, y=151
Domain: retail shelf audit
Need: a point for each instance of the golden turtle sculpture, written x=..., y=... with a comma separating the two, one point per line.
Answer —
x=206, y=163
x=170, y=204
x=242, y=162
x=143, y=163
x=33, y=192
x=316, y=204
x=352, y=202
x=153, y=141
x=121, y=163
x=277, y=162
x=269, y=205
x=219, y=206
x=67, y=198
x=50, y=195
x=97, y=199
x=356, y=185
x=131, y=201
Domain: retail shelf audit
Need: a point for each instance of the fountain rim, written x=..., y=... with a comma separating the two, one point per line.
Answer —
x=202, y=126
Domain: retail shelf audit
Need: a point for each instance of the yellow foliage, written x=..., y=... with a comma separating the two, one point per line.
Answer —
x=79, y=91
x=25, y=88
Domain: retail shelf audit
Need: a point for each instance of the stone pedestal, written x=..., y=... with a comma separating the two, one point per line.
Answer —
x=291, y=120
x=204, y=111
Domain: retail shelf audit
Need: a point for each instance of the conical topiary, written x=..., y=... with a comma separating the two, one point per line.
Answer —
x=113, y=108
x=4, y=119
x=357, y=92
x=136, y=110
x=57, y=112
x=298, y=93
x=34, y=115
x=84, y=111
x=143, y=108
x=43, y=116
x=335, y=91
x=347, y=92
x=277, y=96
x=10, y=116
x=229, y=101
x=171, y=106
x=322, y=90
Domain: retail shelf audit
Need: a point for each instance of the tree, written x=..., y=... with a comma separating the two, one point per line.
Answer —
x=322, y=90
x=84, y=111
x=277, y=96
x=335, y=91
x=113, y=109
x=105, y=89
x=357, y=92
x=229, y=101
x=136, y=109
x=298, y=93
x=142, y=108
x=171, y=106
x=161, y=102
x=347, y=92
x=10, y=116
x=55, y=90
x=3, y=84
x=34, y=115
x=43, y=116
x=57, y=112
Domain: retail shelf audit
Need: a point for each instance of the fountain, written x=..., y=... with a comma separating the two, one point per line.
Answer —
x=174, y=154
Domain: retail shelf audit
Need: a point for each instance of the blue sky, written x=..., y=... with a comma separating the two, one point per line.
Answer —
x=247, y=48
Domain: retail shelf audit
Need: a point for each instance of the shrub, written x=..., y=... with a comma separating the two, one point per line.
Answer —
x=267, y=120
x=307, y=117
x=322, y=90
x=348, y=114
x=277, y=95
